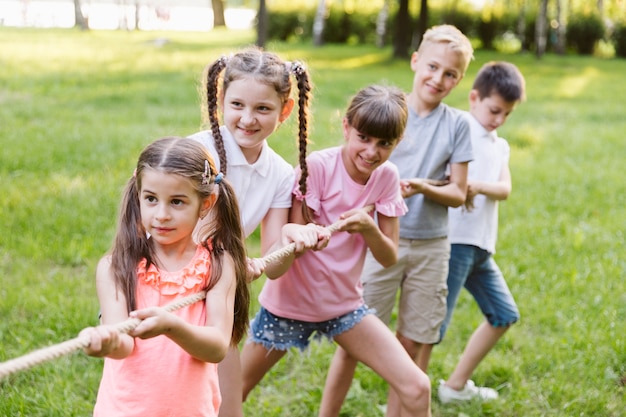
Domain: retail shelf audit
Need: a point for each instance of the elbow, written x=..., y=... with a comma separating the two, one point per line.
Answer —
x=389, y=261
x=219, y=355
x=457, y=201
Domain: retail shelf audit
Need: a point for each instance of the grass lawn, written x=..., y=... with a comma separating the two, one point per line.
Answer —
x=76, y=108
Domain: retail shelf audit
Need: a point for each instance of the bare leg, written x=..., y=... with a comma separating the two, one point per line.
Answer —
x=338, y=383
x=372, y=343
x=423, y=357
x=231, y=384
x=482, y=341
x=256, y=361
x=414, y=350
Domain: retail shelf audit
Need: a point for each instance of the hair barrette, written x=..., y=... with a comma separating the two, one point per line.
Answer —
x=206, y=173
x=218, y=178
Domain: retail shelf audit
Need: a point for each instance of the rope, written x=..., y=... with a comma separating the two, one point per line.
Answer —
x=65, y=348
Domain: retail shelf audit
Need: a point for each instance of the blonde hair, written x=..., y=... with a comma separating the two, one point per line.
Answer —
x=455, y=39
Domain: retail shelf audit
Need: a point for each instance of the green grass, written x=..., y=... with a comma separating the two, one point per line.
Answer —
x=76, y=108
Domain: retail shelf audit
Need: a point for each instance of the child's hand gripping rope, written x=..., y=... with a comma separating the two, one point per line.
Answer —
x=83, y=340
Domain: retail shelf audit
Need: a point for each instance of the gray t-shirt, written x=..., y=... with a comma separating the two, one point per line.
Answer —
x=429, y=145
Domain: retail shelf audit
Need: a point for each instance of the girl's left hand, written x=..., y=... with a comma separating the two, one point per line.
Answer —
x=356, y=221
x=256, y=267
x=154, y=322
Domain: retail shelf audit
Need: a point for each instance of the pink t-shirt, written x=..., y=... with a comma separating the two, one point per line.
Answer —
x=160, y=379
x=325, y=284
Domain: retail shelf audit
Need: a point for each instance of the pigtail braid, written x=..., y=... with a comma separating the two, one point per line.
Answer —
x=213, y=75
x=304, y=90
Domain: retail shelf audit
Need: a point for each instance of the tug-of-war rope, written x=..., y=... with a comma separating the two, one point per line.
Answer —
x=65, y=348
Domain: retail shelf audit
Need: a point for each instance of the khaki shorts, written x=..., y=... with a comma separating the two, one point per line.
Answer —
x=420, y=275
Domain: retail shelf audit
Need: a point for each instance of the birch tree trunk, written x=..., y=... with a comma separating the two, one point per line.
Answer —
x=541, y=29
x=319, y=22
x=381, y=24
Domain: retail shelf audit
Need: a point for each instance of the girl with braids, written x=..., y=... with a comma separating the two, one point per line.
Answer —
x=321, y=293
x=253, y=89
x=167, y=365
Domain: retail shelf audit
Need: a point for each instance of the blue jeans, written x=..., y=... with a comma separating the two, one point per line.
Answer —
x=474, y=268
x=275, y=332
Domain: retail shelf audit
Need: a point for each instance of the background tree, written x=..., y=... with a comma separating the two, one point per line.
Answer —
x=560, y=29
x=79, y=19
x=319, y=22
x=381, y=24
x=422, y=25
x=262, y=24
x=402, y=35
x=218, y=13
x=541, y=29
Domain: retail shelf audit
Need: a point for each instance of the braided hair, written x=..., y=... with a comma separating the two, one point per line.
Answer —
x=265, y=67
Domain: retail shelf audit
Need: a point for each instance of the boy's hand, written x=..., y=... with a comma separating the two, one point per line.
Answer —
x=410, y=187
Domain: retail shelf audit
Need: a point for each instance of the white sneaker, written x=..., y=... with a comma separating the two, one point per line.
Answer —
x=469, y=392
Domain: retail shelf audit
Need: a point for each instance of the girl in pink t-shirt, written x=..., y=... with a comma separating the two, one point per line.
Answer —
x=321, y=293
x=167, y=365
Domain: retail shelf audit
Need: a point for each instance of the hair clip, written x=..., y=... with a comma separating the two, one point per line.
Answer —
x=207, y=172
x=297, y=68
x=218, y=178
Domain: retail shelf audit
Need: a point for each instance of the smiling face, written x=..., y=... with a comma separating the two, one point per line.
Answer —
x=362, y=154
x=491, y=111
x=170, y=207
x=438, y=69
x=252, y=111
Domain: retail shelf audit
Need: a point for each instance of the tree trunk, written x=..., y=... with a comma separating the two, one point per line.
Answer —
x=560, y=30
x=218, y=13
x=541, y=28
x=402, y=33
x=521, y=27
x=319, y=22
x=262, y=23
x=422, y=25
x=381, y=24
x=79, y=19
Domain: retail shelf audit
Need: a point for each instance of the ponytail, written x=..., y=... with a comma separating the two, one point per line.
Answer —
x=226, y=234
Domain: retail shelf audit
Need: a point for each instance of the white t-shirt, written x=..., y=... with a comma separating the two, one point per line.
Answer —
x=260, y=186
x=479, y=227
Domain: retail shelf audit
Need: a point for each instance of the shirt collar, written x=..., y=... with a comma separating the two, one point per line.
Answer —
x=482, y=132
x=236, y=157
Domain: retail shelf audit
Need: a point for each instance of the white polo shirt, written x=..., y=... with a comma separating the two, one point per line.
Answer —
x=260, y=186
x=479, y=227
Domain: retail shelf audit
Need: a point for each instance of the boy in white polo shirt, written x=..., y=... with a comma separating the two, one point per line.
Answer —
x=497, y=89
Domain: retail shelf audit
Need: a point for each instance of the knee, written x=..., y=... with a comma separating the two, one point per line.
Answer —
x=417, y=392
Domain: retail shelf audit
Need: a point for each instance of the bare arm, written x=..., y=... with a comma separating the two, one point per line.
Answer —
x=105, y=340
x=381, y=239
x=451, y=194
x=304, y=236
x=499, y=190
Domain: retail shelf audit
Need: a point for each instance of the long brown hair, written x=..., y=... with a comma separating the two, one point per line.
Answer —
x=187, y=158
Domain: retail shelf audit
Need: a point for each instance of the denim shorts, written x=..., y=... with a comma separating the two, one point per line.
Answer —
x=475, y=269
x=275, y=332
